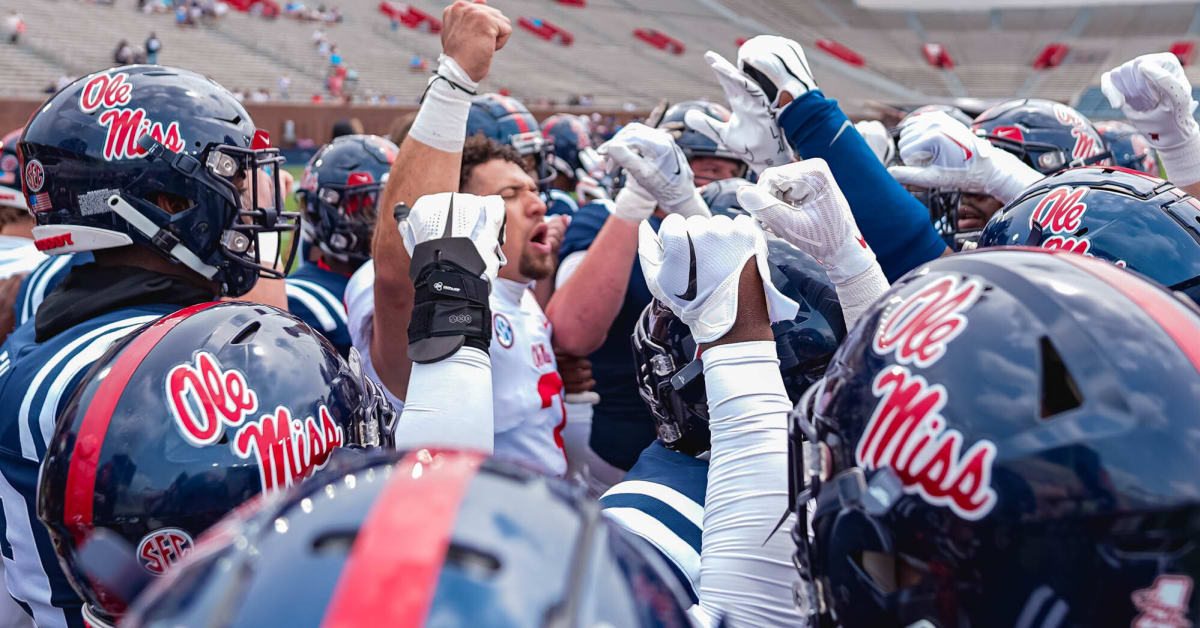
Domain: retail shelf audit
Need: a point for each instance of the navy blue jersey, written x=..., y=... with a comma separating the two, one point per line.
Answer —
x=560, y=202
x=661, y=500
x=316, y=296
x=36, y=380
x=621, y=424
x=43, y=279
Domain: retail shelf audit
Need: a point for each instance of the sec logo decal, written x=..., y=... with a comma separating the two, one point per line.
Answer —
x=35, y=176
x=503, y=330
x=162, y=548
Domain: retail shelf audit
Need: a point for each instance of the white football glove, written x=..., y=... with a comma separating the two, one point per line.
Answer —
x=1155, y=95
x=941, y=152
x=453, y=215
x=877, y=137
x=803, y=204
x=693, y=266
x=751, y=132
x=653, y=159
x=778, y=66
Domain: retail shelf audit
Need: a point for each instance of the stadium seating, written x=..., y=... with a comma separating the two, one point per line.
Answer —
x=887, y=55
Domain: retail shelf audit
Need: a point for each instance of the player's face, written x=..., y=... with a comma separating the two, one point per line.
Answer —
x=975, y=210
x=529, y=254
x=709, y=169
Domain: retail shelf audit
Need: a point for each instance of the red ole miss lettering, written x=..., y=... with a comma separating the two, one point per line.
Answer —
x=908, y=433
x=204, y=399
x=920, y=327
x=1059, y=214
x=108, y=95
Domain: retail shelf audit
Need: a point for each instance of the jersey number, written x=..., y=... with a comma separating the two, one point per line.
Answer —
x=549, y=386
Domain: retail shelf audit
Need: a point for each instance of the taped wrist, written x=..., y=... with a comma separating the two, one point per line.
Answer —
x=450, y=304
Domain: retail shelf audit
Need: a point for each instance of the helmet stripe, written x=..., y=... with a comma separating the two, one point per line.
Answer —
x=392, y=573
x=81, y=475
x=1182, y=326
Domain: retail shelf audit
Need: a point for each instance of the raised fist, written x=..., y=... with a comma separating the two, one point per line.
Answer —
x=471, y=33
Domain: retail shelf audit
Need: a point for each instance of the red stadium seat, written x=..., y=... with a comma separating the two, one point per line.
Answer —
x=573, y=3
x=659, y=40
x=1185, y=50
x=1050, y=56
x=410, y=16
x=841, y=52
x=937, y=56
x=546, y=30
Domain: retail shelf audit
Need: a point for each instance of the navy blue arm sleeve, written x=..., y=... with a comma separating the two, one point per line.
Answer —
x=894, y=223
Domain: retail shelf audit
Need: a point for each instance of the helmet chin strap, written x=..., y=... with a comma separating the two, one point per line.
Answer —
x=163, y=239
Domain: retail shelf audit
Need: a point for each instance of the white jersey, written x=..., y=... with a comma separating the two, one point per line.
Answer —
x=18, y=255
x=527, y=392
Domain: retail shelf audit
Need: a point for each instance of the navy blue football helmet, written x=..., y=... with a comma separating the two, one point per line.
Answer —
x=102, y=157
x=670, y=379
x=568, y=137
x=187, y=418
x=437, y=538
x=1006, y=438
x=1130, y=149
x=1123, y=216
x=721, y=196
x=10, y=171
x=339, y=194
x=694, y=143
x=506, y=120
x=1048, y=136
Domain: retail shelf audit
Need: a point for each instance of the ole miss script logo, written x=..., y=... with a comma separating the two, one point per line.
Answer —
x=907, y=431
x=1059, y=214
x=204, y=398
x=109, y=94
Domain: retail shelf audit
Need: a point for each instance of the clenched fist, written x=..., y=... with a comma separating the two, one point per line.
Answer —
x=471, y=33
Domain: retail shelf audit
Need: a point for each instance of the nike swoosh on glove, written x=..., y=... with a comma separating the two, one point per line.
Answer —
x=803, y=204
x=454, y=215
x=693, y=266
x=778, y=66
x=942, y=153
x=751, y=132
x=1154, y=94
x=660, y=168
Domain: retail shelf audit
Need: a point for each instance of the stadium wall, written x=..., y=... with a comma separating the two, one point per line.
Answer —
x=311, y=121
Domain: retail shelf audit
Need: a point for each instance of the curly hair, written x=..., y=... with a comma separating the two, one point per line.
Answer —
x=479, y=150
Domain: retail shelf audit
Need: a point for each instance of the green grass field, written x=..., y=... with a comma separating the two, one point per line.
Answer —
x=290, y=205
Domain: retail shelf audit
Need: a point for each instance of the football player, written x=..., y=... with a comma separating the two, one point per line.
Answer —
x=577, y=166
x=181, y=214
x=1129, y=148
x=18, y=255
x=339, y=197
x=709, y=159
x=185, y=420
x=977, y=451
x=529, y=414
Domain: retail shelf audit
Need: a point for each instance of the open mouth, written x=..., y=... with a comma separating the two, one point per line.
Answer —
x=538, y=238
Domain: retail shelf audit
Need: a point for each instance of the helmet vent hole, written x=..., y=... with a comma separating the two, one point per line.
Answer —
x=246, y=333
x=1082, y=231
x=338, y=542
x=1060, y=393
x=476, y=563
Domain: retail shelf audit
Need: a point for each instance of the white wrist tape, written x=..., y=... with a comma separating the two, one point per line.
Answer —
x=442, y=119
x=857, y=293
x=1182, y=162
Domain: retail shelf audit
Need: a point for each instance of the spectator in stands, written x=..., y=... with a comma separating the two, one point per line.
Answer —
x=318, y=37
x=335, y=58
x=181, y=15
x=123, y=55
x=260, y=95
x=153, y=45
x=14, y=25
x=285, y=82
x=316, y=98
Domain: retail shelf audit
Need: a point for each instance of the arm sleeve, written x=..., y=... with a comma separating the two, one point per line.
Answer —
x=893, y=222
x=440, y=411
x=746, y=572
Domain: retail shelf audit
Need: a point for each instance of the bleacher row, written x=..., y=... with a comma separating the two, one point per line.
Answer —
x=993, y=50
